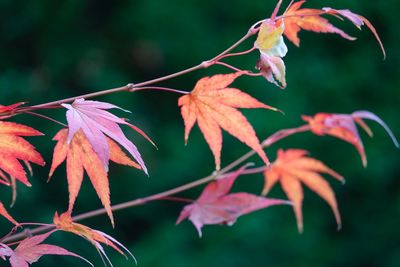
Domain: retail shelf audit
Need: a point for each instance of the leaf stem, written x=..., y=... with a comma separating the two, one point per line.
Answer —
x=238, y=53
x=45, y=117
x=228, y=66
x=159, y=88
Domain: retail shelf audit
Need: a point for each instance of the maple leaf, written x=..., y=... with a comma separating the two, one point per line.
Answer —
x=14, y=148
x=272, y=48
x=343, y=126
x=30, y=250
x=96, y=123
x=358, y=21
x=4, y=179
x=291, y=168
x=213, y=106
x=216, y=206
x=9, y=110
x=80, y=156
x=296, y=18
x=5, y=214
x=64, y=223
x=10, y=107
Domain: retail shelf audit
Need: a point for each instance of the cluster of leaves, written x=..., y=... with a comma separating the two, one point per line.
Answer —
x=93, y=138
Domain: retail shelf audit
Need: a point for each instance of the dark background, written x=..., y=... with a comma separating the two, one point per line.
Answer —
x=55, y=49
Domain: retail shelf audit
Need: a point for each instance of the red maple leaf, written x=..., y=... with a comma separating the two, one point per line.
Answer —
x=216, y=206
x=14, y=148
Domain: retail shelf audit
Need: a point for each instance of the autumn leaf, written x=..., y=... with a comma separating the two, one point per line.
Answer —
x=269, y=40
x=344, y=126
x=214, y=106
x=297, y=18
x=272, y=48
x=7, y=111
x=96, y=123
x=14, y=148
x=80, y=156
x=5, y=214
x=291, y=168
x=216, y=206
x=358, y=21
x=10, y=107
x=64, y=223
x=30, y=250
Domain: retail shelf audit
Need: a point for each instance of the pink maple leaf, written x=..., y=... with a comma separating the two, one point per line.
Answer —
x=30, y=250
x=216, y=206
x=96, y=122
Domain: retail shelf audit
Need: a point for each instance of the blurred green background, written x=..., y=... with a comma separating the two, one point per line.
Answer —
x=55, y=49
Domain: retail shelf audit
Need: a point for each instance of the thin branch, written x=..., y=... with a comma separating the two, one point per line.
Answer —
x=121, y=206
x=130, y=86
x=254, y=170
x=238, y=53
x=91, y=95
x=281, y=134
x=159, y=88
x=178, y=199
x=142, y=201
x=249, y=33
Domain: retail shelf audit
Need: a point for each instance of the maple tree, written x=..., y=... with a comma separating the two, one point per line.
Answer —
x=93, y=137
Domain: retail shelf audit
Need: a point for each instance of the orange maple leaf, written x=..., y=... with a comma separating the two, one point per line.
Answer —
x=297, y=18
x=80, y=156
x=5, y=214
x=214, y=106
x=65, y=223
x=14, y=148
x=292, y=167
